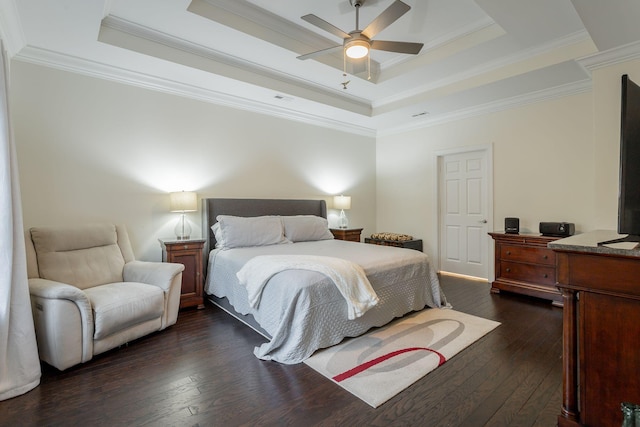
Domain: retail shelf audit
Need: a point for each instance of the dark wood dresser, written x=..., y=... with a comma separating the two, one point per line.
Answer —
x=601, y=329
x=524, y=265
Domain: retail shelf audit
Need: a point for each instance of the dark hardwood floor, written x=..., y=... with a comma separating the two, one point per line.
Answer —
x=202, y=372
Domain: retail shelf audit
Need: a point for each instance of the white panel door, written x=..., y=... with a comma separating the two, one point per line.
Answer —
x=464, y=199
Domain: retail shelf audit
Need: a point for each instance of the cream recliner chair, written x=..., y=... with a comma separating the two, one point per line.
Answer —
x=89, y=294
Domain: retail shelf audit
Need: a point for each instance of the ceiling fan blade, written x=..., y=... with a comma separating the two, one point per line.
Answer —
x=320, y=52
x=399, y=47
x=324, y=25
x=386, y=18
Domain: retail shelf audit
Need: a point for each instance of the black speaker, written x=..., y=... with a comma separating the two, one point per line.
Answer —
x=512, y=225
x=557, y=229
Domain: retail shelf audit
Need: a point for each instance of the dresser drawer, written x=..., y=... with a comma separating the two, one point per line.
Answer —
x=533, y=255
x=542, y=275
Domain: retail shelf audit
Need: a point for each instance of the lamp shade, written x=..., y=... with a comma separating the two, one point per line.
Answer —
x=342, y=202
x=183, y=201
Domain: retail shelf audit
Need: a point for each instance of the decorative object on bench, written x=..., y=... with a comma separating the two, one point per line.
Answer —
x=89, y=294
x=395, y=239
x=391, y=236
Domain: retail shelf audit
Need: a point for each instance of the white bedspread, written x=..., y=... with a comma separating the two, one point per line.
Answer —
x=348, y=277
x=302, y=310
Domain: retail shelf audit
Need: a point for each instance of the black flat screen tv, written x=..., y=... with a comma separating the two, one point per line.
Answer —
x=629, y=192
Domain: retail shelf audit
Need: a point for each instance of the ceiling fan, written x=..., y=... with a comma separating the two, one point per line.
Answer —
x=357, y=43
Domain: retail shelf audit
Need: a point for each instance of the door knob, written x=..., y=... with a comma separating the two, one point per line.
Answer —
x=484, y=221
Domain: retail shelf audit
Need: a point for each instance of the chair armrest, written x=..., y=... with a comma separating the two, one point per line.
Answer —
x=65, y=335
x=49, y=289
x=160, y=274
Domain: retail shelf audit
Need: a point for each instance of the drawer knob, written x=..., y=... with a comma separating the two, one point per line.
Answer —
x=546, y=275
x=508, y=252
x=545, y=257
x=508, y=270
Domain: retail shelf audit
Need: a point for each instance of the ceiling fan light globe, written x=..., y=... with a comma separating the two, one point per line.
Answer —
x=357, y=49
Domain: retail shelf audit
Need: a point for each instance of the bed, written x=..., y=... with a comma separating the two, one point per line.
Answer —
x=300, y=311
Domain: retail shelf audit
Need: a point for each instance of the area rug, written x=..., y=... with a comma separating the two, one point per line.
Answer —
x=380, y=364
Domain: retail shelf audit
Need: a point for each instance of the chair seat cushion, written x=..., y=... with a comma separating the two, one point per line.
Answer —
x=118, y=306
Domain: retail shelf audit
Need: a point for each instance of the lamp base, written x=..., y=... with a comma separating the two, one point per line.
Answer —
x=344, y=223
x=183, y=229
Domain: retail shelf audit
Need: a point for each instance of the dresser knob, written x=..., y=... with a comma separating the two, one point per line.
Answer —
x=508, y=270
x=545, y=257
x=546, y=275
x=508, y=252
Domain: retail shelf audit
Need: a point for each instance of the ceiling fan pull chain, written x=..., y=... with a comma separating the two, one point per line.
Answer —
x=344, y=70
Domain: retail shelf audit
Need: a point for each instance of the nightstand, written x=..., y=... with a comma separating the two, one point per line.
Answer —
x=350, y=234
x=189, y=254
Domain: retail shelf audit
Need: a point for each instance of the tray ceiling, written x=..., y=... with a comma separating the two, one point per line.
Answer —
x=478, y=55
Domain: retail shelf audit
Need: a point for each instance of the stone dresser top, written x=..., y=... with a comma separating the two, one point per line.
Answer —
x=588, y=242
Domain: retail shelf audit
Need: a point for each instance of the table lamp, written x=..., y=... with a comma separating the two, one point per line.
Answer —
x=342, y=202
x=183, y=201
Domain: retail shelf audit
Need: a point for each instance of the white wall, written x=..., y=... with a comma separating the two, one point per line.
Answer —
x=95, y=150
x=542, y=163
x=553, y=161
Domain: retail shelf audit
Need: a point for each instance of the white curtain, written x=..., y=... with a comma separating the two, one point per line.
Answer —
x=19, y=362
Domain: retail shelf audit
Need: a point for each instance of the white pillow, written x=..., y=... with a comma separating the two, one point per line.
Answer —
x=238, y=232
x=218, y=235
x=305, y=228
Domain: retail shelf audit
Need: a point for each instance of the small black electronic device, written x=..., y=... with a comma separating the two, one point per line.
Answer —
x=557, y=229
x=512, y=225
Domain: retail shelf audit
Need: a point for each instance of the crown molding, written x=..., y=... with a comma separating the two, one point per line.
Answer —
x=492, y=107
x=95, y=69
x=73, y=64
x=237, y=68
x=617, y=55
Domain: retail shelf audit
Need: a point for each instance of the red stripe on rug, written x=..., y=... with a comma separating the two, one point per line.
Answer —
x=363, y=367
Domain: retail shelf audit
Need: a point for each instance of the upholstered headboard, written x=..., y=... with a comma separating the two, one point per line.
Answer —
x=211, y=208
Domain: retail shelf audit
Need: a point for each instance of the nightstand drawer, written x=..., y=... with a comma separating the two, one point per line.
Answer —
x=528, y=273
x=186, y=246
x=531, y=255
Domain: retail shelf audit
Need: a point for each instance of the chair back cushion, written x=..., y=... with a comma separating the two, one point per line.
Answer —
x=82, y=256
